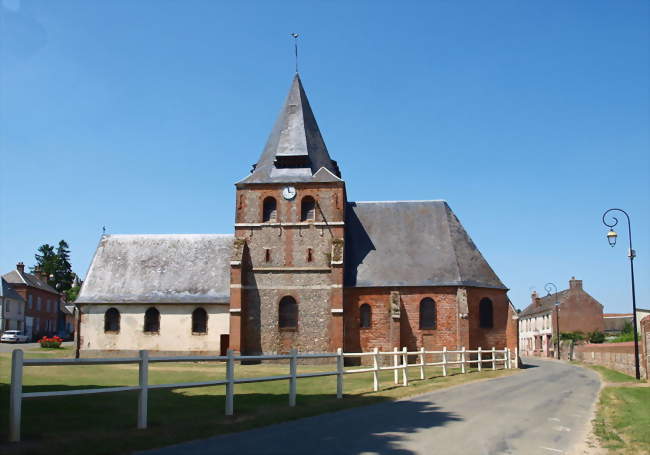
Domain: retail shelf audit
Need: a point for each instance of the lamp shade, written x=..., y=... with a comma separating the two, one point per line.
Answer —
x=611, y=237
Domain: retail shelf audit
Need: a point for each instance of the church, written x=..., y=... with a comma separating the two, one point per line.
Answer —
x=305, y=268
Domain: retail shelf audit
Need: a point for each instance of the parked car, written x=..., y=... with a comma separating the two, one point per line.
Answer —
x=13, y=336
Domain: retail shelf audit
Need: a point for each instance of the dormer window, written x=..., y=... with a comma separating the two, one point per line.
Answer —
x=292, y=161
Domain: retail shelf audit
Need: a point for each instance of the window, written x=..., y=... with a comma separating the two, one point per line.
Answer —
x=310, y=256
x=485, y=313
x=288, y=313
x=112, y=320
x=47, y=305
x=152, y=320
x=199, y=321
x=308, y=209
x=30, y=301
x=8, y=306
x=427, y=314
x=38, y=304
x=365, y=316
x=267, y=254
x=269, y=212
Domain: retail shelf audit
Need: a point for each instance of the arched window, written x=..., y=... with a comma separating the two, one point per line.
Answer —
x=112, y=320
x=365, y=316
x=269, y=212
x=308, y=209
x=288, y=313
x=485, y=313
x=427, y=314
x=199, y=321
x=152, y=320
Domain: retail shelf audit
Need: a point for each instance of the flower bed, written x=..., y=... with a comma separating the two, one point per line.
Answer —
x=54, y=342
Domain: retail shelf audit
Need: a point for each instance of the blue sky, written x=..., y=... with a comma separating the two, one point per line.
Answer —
x=529, y=118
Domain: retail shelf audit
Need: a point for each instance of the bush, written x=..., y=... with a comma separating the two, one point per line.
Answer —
x=596, y=337
x=573, y=336
x=54, y=342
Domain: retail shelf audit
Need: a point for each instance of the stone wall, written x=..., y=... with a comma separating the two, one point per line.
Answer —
x=617, y=356
x=290, y=257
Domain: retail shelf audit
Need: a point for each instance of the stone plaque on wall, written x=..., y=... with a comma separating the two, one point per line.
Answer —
x=394, y=304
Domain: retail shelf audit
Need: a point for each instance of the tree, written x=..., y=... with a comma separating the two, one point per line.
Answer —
x=55, y=265
x=46, y=262
x=627, y=328
x=63, y=276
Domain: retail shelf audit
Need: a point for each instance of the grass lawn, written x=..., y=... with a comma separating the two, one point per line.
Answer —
x=611, y=375
x=105, y=423
x=622, y=420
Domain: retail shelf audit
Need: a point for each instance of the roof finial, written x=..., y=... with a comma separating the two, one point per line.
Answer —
x=295, y=47
x=103, y=230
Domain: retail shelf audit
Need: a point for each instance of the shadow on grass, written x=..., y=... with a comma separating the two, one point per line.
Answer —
x=105, y=423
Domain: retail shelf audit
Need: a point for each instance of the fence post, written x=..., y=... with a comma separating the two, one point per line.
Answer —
x=516, y=357
x=506, y=352
x=462, y=360
x=444, y=360
x=395, y=364
x=422, y=362
x=293, y=367
x=339, y=373
x=230, y=385
x=405, y=362
x=375, y=373
x=143, y=394
x=480, y=361
x=15, y=395
x=494, y=359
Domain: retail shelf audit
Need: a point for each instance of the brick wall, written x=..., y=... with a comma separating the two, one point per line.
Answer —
x=645, y=344
x=452, y=331
x=42, y=315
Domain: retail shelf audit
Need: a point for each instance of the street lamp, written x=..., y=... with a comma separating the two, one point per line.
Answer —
x=548, y=287
x=611, y=238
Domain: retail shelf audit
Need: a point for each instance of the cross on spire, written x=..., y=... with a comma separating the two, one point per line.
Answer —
x=295, y=47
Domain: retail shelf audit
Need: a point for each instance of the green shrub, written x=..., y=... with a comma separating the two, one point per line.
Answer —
x=596, y=337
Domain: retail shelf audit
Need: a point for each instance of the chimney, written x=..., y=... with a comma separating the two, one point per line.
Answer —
x=20, y=267
x=575, y=284
x=534, y=298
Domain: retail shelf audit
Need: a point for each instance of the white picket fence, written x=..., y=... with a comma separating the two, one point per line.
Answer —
x=493, y=357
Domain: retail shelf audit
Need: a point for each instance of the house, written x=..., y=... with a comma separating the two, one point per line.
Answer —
x=41, y=299
x=573, y=309
x=305, y=268
x=12, y=308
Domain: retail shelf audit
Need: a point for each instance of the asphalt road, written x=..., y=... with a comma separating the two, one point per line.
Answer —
x=543, y=410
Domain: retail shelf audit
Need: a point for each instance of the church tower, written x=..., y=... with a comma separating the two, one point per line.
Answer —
x=287, y=265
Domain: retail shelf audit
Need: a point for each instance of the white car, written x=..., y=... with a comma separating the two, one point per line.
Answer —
x=13, y=336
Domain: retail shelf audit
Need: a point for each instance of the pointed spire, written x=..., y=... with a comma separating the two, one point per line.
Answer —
x=295, y=150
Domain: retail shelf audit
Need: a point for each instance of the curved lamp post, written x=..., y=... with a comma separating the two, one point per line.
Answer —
x=611, y=238
x=548, y=287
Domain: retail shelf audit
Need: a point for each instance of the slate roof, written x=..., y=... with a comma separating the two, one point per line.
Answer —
x=167, y=268
x=15, y=277
x=411, y=243
x=295, y=150
x=546, y=304
x=8, y=292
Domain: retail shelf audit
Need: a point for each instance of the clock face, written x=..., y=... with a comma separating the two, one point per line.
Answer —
x=289, y=192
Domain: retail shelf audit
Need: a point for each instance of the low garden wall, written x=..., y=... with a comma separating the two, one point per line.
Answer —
x=617, y=356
